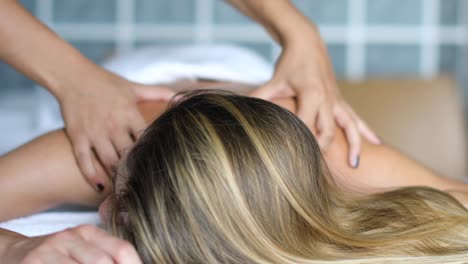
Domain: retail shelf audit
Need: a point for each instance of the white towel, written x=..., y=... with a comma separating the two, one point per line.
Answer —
x=165, y=64
x=50, y=222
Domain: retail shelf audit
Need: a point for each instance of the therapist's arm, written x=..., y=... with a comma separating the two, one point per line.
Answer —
x=99, y=107
x=304, y=70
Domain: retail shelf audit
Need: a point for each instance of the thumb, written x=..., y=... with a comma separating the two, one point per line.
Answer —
x=268, y=91
x=148, y=92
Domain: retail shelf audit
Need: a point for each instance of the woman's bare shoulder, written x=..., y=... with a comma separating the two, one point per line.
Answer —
x=382, y=167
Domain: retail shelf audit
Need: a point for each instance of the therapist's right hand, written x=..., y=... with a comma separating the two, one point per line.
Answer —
x=102, y=119
x=84, y=244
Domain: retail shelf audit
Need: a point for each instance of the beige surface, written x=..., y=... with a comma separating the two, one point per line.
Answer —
x=423, y=119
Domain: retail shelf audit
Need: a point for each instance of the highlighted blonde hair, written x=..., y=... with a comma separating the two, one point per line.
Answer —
x=221, y=178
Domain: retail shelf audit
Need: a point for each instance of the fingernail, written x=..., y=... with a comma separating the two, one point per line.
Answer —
x=100, y=187
x=356, y=161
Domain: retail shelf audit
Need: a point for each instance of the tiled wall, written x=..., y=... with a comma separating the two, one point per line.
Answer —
x=365, y=37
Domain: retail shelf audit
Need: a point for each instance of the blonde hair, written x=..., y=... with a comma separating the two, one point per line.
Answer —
x=221, y=178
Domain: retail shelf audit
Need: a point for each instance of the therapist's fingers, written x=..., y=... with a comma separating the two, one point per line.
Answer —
x=367, y=132
x=86, y=244
x=362, y=126
x=325, y=127
x=152, y=92
x=84, y=159
x=54, y=257
x=107, y=154
x=349, y=125
x=137, y=125
x=84, y=252
x=273, y=89
x=123, y=143
x=121, y=251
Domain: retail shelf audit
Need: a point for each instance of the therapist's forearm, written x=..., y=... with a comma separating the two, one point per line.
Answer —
x=33, y=49
x=280, y=18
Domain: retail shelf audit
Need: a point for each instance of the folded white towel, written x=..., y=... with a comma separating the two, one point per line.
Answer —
x=164, y=64
x=50, y=222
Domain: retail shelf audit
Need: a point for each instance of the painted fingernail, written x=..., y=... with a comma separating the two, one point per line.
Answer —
x=100, y=187
x=356, y=161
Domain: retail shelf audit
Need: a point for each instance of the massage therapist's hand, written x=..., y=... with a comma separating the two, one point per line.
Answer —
x=304, y=71
x=102, y=118
x=81, y=245
x=99, y=107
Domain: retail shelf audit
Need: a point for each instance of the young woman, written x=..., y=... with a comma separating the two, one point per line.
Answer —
x=229, y=179
x=220, y=178
x=254, y=187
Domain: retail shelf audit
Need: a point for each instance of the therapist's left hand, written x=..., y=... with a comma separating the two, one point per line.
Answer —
x=304, y=71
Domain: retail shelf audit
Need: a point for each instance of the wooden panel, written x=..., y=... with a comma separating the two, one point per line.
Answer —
x=423, y=119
